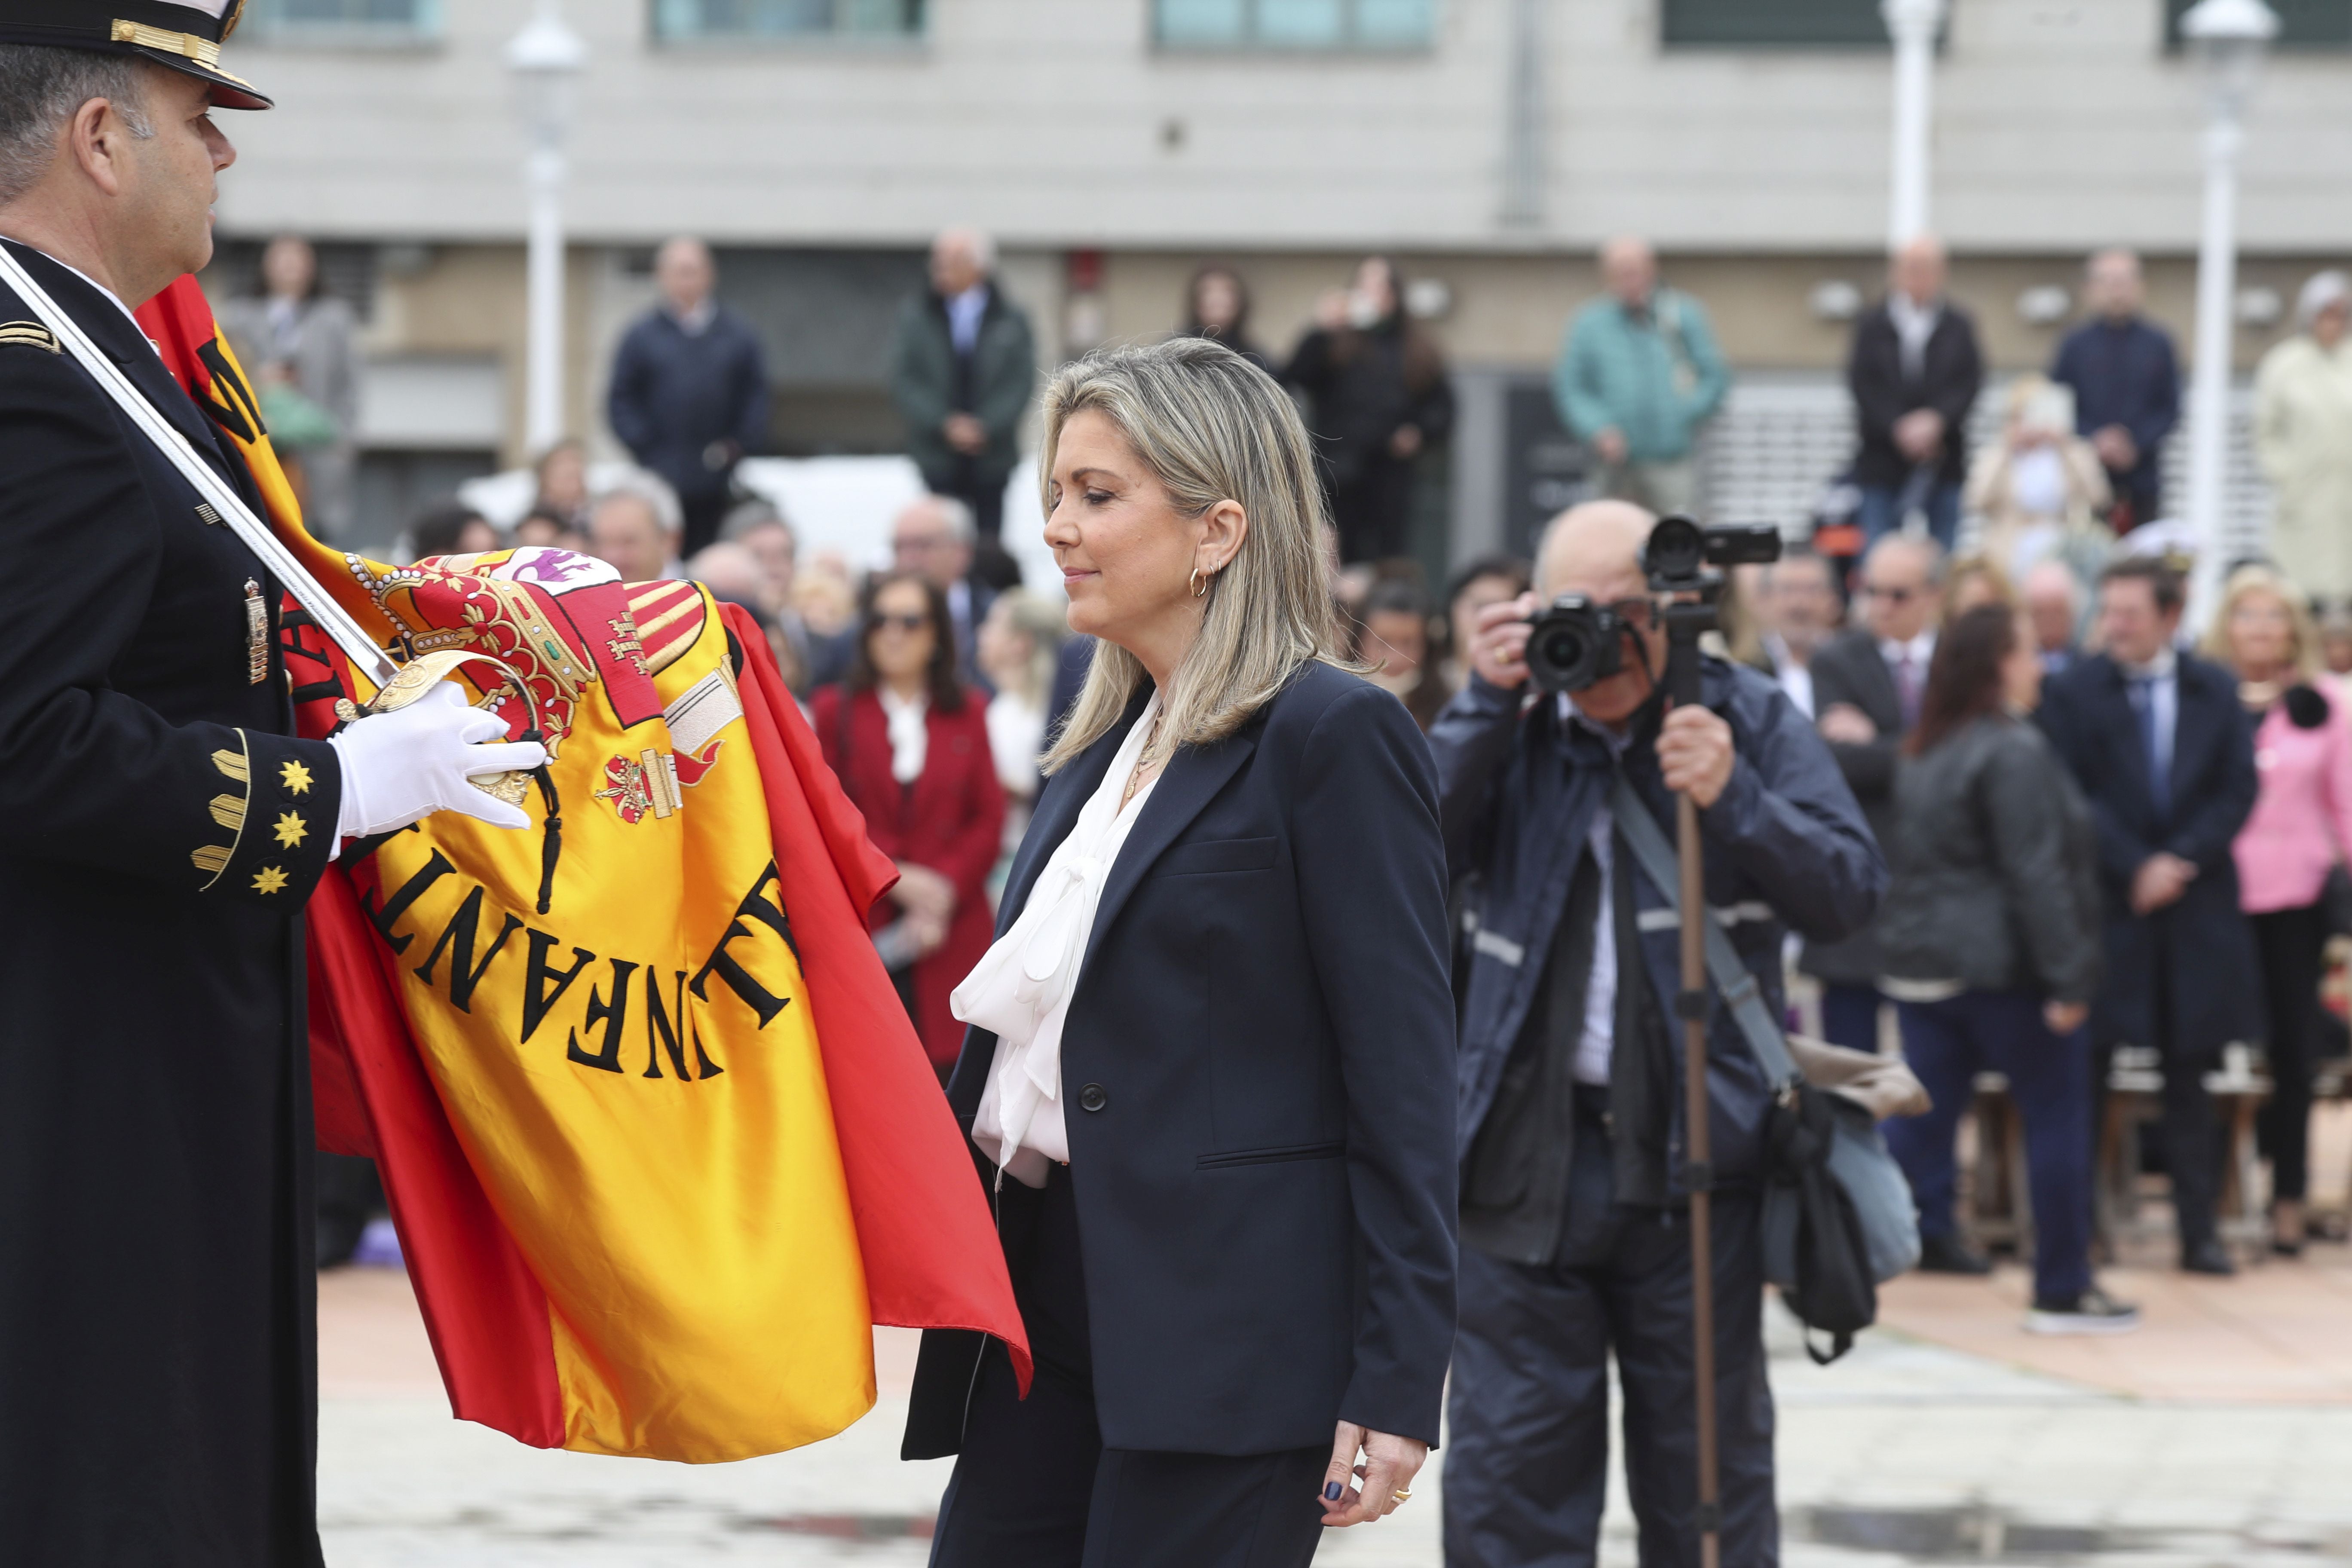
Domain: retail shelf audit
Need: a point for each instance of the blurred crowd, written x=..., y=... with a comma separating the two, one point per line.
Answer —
x=2060, y=920
x=2118, y=862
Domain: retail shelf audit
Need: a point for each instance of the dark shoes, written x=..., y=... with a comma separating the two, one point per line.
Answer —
x=2206, y=1257
x=2092, y=1312
x=1948, y=1254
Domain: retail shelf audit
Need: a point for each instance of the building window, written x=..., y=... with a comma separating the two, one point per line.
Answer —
x=1772, y=25
x=687, y=20
x=1295, y=23
x=2303, y=24
x=389, y=20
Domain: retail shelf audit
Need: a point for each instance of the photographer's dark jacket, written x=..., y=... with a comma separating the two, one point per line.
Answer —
x=1785, y=843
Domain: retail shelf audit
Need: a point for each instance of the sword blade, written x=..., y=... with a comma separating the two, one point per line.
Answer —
x=358, y=646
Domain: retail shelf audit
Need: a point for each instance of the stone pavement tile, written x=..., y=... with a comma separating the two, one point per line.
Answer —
x=1904, y=1426
x=2271, y=1334
x=370, y=1340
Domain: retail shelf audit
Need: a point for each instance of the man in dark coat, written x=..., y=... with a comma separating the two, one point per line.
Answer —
x=1915, y=371
x=962, y=365
x=2165, y=754
x=690, y=393
x=1575, y=1218
x=159, y=829
x=2126, y=384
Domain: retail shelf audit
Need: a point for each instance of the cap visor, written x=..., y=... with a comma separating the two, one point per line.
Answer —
x=228, y=92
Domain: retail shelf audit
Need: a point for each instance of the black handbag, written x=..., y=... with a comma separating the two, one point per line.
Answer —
x=1838, y=1213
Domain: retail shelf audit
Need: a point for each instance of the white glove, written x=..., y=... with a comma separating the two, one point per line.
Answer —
x=405, y=766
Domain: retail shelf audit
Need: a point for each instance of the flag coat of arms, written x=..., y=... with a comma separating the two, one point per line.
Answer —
x=659, y=1137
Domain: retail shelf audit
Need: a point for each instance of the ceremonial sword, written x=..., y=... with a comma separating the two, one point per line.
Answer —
x=368, y=658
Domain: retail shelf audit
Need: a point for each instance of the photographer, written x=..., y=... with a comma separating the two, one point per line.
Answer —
x=1574, y=1230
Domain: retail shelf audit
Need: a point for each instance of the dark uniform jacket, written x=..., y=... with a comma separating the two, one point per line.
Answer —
x=2195, y=959
x=1254, y=1070
x=1786, y=846
x=159, y=832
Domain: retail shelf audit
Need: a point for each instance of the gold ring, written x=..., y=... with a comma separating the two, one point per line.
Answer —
x=1404, y=1495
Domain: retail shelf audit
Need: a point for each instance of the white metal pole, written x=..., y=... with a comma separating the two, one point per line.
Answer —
x=544, y=420
x=1913, y=26
x=2208, y=404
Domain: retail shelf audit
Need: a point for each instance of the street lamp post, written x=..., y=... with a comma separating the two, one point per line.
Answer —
x=1913, y=26
x=2228, y=38
x=546, y=59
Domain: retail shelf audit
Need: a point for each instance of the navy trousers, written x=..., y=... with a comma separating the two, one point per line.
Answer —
x=1850, y=1016
x=1883, y=511
x=1947, y=1043
x=1035, y=1488
x=1527, y=1459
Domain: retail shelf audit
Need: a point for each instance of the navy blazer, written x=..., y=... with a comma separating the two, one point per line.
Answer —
x=1257, y=1071
x=2200, y=949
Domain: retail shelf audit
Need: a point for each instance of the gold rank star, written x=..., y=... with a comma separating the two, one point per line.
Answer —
x=291, y=829
x=269, y=880
x=296, y=777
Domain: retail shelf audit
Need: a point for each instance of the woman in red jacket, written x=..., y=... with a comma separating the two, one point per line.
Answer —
x=909, y=743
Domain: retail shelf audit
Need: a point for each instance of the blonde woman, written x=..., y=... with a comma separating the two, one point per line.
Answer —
x=1215, y=1035
x=2300, y=829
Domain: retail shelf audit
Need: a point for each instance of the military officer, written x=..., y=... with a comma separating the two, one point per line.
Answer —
x=160, y=827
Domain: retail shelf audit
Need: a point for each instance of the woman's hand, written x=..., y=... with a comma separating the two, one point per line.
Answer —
x=923, y=891
x=1389, y=1464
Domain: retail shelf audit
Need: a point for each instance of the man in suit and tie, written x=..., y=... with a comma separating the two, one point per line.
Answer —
x=1867, y=683
x=933, y=536
x=2163, y=750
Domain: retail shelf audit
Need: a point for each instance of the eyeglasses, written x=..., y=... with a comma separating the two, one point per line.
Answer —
x=1893, y=596
x=1634, y=612
x=901, y=622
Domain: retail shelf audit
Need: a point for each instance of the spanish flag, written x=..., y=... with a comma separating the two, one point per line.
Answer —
x=657, y=1135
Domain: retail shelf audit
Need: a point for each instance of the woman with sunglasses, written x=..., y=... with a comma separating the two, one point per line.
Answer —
x=1213, y=1039
x=909, y=742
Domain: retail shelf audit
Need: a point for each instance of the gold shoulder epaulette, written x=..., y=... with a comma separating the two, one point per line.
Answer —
x=32, y=334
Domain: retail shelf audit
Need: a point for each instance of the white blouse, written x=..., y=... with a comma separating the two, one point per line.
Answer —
x=1021, y=986
x=910, y=733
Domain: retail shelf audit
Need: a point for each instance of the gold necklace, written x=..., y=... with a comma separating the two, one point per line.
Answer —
x=1137, y=777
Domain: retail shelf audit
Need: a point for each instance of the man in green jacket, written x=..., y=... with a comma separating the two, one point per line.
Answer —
x=1638, y=375
x=962, y=366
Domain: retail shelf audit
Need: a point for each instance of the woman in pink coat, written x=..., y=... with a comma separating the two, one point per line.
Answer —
x=2300, y=829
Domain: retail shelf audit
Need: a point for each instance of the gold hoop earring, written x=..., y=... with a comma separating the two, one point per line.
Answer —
x=1200, y=586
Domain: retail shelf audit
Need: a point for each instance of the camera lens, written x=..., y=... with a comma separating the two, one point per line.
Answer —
x=1561, y=649
x=1676, y=550
x=1573, y=644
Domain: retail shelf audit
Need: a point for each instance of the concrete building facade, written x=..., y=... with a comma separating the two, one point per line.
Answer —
x=1112, y=146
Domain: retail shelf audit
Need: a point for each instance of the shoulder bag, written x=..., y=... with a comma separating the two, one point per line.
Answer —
x=1837, y=1215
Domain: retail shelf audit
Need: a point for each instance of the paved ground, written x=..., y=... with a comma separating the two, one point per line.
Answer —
x=1988, y=1447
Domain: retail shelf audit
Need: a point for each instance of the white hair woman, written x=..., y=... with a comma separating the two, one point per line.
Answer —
x=2303, y=434
x=1215, y=1035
